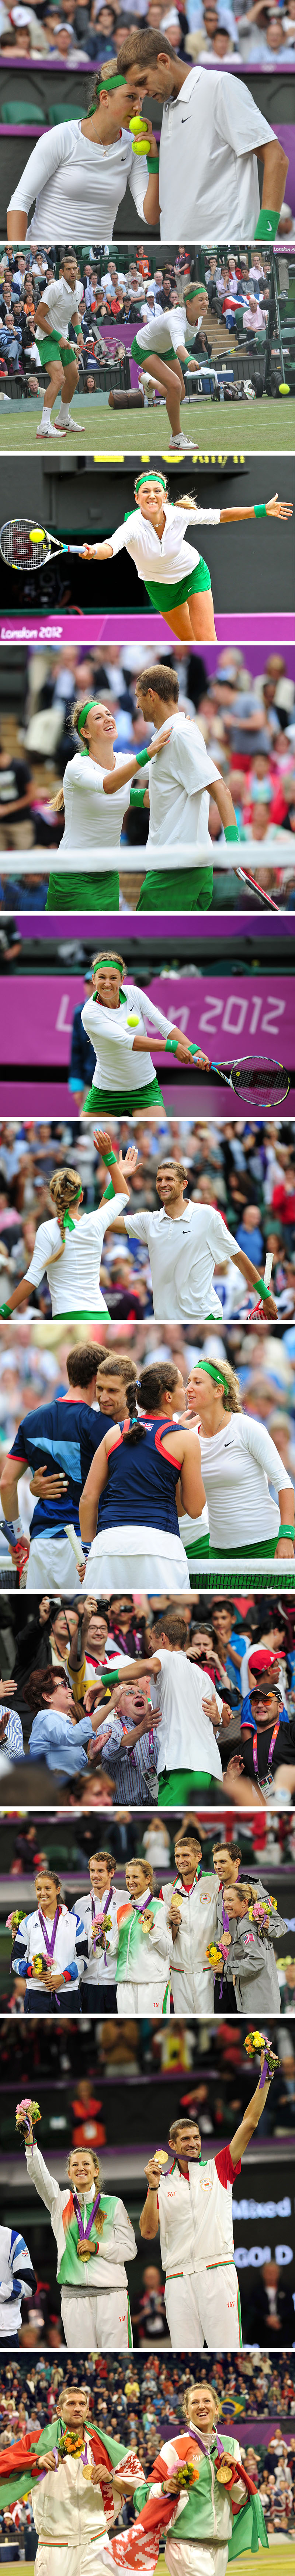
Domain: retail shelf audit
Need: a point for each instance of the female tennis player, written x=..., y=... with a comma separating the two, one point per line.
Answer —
x=46, y=1951
x=93, y=808
x=162, y=346
x=128, y=1514
x=117, y=1019
x=176, y=579
x=78, y=172
x=68, y=1246
x=239, y=1465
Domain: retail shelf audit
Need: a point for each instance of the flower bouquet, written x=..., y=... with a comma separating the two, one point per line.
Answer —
x=13, y=1920
x=255, y=2041
x=71, y=2445
x=100, y=1926
x=38, y=1964
x=259, y=1913
x=215, y=1955
x=26, y=2111
x=189, y=2472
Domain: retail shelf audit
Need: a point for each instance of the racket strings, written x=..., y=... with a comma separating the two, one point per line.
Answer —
x=19, y=548
x=260, y=1081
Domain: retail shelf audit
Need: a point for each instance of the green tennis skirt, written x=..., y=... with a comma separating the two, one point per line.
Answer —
x=167, y=891
x=82, y=893
x=123, y=1104
x=198, y=1546
x=50, y=348
x=145, y=354
x=240, y=1555
x=173, y=594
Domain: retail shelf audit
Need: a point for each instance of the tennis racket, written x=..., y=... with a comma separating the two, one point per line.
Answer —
x=259, y=1080
x=257, y=1311
x=250, y=882
x=25, y=547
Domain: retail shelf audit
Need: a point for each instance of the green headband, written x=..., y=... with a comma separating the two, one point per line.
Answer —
x=107, y=961
x=81, y=719
x=116, y=81
x=211, y=1371
x=150, y=478
x=191, y=291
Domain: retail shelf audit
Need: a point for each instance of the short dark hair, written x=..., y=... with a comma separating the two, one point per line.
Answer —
x=177, y=1167
x=104, y=1855
x=43, y=1680
x=233, y=1849
x=162, y=678
x=140, y=47
x=83, y=1363
x=123, y=1367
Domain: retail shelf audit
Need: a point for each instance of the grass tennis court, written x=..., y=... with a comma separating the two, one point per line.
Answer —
x=251, y=426
x=278, y=2561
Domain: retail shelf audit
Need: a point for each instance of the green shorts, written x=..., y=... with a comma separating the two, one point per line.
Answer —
x=51, y=349
x=175, y=1787
x=143, y=355
x=123, y=1104
x=172, y=594
x=198, y=1546
x=166, y=891
x=79, y=893
x=239, y=1555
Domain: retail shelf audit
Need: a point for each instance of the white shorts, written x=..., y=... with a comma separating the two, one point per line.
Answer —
x=150, y=1559
x=141, y=2000
x=203, y=2307
x=186, y=2558
x=74, y=2559
x=52, y=1564
x=98, y=2323
x=193, y=1991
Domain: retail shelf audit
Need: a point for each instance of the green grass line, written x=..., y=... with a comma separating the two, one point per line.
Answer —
x=266, y=426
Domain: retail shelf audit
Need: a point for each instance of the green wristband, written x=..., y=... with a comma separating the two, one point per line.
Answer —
x=231, y=832
x=285, y=1530
x=109, y=1158
x=265, y=1292
x=5, y=1310
x=260, y=510
x=154, y=164
x=141, y=759
x=137, y=794
x=268, y=220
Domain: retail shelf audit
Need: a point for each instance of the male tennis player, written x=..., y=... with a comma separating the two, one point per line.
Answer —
x=192, y=2203
x=185, y=1239
x=177, y=795
x=57, y=312
x=212, y=136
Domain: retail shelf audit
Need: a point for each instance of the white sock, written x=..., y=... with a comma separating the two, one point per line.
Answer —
x=63, y=413
x=45, y=416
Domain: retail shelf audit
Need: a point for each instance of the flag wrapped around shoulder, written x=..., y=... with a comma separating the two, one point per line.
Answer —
x=21, y=2462
x=138, y=2549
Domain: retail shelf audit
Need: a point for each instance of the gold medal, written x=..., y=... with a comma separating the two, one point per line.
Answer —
x=161, y=2156
x=86, y=2472
x=224, y=2473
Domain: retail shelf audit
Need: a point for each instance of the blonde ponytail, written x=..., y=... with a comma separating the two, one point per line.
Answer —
x=65, y=1189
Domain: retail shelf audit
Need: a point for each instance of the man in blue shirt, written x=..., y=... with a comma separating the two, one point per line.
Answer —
x=49, y=1442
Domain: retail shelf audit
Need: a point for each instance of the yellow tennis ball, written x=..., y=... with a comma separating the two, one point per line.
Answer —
x=284, y=389
x=35, y=534
x=132, y=1020
x=140, y=145
x=137, y=125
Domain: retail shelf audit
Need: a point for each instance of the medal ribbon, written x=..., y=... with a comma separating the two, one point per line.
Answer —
x=104, y=1910
x=49, y=1945
x=271, y=1748
x=84, y=2232
x=206, y=2446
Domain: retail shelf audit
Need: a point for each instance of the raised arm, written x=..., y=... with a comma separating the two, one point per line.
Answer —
x=273, y=509
x=252, y=2116
x=149, y=2216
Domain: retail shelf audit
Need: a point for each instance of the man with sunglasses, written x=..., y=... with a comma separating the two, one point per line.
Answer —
x=267, y=1738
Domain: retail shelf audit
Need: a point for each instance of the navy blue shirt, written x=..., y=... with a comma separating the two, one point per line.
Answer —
x=52, y=1437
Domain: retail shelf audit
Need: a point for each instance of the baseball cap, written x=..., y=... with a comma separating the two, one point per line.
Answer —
x=261, y=1658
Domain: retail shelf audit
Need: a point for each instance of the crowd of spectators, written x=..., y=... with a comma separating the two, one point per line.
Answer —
x=31, y=1643
x=246, y=1171
x=86, y=31
x=124, y=287
x=245, y=713
x=141, y=2400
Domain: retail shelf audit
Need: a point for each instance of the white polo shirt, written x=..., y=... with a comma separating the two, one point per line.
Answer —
x=186, y=1736
x=63, y=305
x=182, y=1252
x=93, y=820
x=179, y=781
x=117, y=1067
x=74, y=1279
x=208, y=179
x=165, y=558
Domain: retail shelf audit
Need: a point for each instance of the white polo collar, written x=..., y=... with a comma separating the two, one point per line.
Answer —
x=186, y=1213
x=187, y=87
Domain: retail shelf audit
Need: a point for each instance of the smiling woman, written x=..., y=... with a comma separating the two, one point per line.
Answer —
x=77, y=174
x=93, y=2235
x=93, y=821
